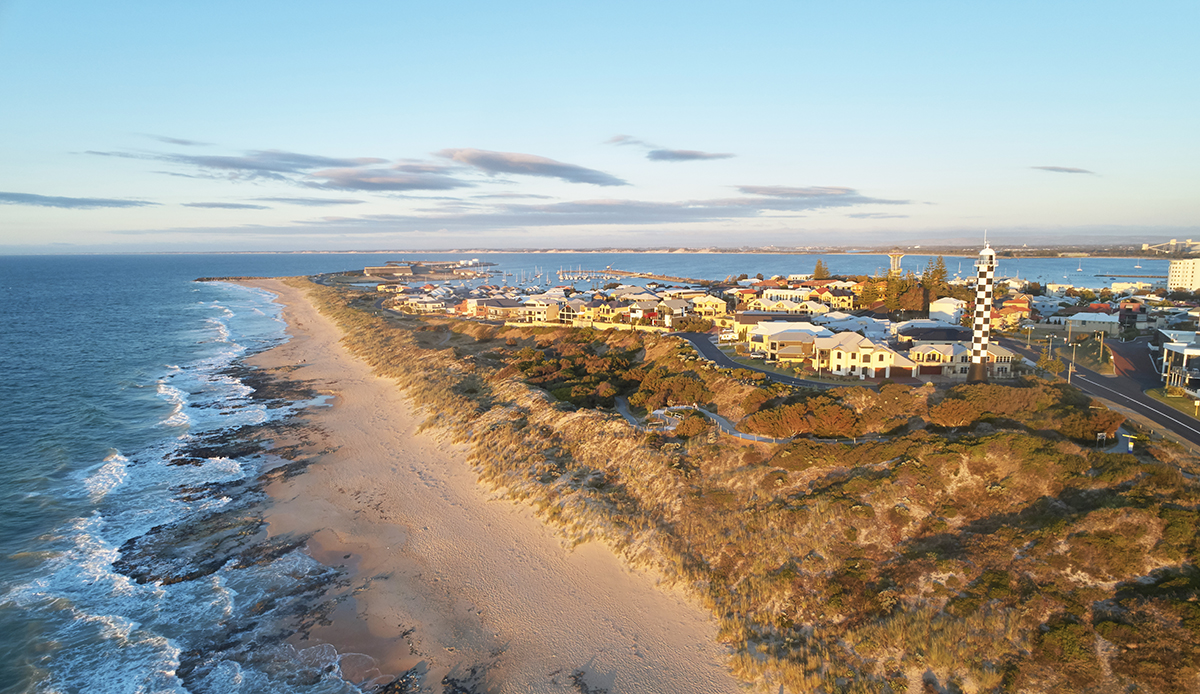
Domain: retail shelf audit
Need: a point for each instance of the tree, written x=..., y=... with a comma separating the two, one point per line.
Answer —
x=935, y=277
x=1052, y=364
x=891, y=294
x=870, y=294
x=820, y=272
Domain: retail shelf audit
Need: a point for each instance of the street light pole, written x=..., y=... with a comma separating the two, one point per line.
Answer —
x=1072, y=369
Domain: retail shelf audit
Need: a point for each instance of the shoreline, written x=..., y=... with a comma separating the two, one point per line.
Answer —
x=451, y=580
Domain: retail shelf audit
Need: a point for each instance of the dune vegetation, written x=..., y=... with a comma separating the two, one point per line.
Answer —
x=969, y=539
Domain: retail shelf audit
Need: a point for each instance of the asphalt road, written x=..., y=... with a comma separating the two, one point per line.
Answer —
x=1135, y=373
x=708, y=350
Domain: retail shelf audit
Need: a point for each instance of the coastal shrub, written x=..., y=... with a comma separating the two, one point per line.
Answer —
x=953, y=413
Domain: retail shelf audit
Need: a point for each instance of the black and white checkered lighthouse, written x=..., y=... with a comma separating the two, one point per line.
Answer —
x=982, y=326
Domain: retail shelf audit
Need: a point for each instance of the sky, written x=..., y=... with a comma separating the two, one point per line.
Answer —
x=152, y=126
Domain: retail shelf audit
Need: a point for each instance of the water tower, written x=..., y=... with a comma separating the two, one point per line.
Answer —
x=895, y=255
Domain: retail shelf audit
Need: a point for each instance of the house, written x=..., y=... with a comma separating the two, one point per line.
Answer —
x=501, y=309
x=612, y=312
x=947, y=309
x=1090, y=322
x=643, y=310
x=540, y=310
x=1180, y=363
x=851, y=354
x=786, y=340
x=842, y=299
x=778, y=294
x=952, y=360
x=774, y=306
x=710, y=306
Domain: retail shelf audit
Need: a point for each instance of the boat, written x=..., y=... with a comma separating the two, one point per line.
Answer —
x=1080, y=268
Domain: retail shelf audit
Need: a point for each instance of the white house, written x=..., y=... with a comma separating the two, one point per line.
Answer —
x=851, y=354
x=947, y=309
x=1088, y=322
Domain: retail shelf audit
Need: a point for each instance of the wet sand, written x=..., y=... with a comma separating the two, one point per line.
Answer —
x=452, y=579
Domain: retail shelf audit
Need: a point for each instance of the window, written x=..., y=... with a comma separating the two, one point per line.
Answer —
x=880, y=358
x=853, y=356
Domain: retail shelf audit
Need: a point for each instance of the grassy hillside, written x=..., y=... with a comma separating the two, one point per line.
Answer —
x=972, y=540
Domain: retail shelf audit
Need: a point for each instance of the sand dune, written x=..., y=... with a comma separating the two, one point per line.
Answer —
x=455, y=578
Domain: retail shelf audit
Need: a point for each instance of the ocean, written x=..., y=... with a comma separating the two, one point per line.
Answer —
x=125, y=471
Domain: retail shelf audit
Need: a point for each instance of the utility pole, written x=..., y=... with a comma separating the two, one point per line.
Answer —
x=1072, y=369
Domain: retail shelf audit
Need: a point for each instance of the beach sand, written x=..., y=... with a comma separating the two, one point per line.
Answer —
x=449, y=577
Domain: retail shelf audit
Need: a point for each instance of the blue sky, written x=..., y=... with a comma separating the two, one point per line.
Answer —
x=355, y=125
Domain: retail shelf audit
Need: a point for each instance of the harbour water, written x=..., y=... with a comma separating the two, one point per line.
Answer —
x=123, y=402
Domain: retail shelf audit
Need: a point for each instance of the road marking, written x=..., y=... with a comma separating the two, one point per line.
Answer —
x=1142, y=404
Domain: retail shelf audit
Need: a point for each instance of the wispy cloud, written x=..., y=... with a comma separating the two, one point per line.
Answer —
x=528, y=165
x=657, y=153
x=797, y=192
x=382, y=179
x=33, y=200
x=179, y=141
x=627, y=140
x=339, y=173
x=876, y=215
x=613, y=212
x=513, y=196
x=313, y=202
x=1063, y=169
x=683, y=155
x=226, y=205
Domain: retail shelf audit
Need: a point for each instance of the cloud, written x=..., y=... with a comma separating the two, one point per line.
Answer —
x=313, y=202
x=377, y=179
x=615, y=212
x=513, y=196
x=338, y=173
x=657, y=153
x=181, y=142
x=627, y=140
x=1063, y=169
x=793, y=192
x=683, y=155
x=68, y=203
x=876, y=215
x=269, y=163
x=529, y=165
x=226, y=205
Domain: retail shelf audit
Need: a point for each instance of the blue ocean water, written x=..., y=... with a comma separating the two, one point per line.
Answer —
x=112, y=364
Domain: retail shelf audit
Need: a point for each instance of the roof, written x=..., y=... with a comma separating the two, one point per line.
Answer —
x=947, y=334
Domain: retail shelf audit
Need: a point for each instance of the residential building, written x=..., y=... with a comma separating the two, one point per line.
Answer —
x=710, y=306
x=1089, y=322
x=947, y=309
x=851, y=354
x=952, y=360
x=1184, y=274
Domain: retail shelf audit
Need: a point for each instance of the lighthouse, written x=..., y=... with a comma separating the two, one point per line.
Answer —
x=981, y=329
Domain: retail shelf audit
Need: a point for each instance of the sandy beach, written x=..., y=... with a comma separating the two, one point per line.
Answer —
x=453, y=580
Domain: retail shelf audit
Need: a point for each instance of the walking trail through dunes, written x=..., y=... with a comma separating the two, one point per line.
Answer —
x=457, y=583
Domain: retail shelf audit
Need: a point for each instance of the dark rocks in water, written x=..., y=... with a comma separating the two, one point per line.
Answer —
x=269, y=385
